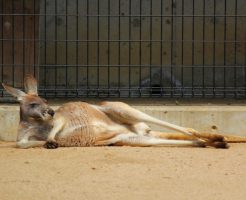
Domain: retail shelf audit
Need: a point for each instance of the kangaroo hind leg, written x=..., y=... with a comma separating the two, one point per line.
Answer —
x=126, y=114
x=145, y=141
x=213, y=140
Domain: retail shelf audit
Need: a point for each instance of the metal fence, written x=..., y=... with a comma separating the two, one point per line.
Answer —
x=125, y=48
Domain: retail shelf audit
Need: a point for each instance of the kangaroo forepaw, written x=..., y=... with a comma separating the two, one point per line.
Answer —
x=51, y=145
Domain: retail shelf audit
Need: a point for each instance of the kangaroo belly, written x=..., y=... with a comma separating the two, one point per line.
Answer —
x=76, y=139
x=85, y=125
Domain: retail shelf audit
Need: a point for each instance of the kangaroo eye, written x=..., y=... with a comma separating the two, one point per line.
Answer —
x=33, y=105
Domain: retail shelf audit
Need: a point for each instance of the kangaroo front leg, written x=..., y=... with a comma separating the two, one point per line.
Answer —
x=24, y=141
x=58, y=126
x=25, y=144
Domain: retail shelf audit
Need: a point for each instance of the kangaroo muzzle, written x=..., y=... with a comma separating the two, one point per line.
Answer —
x=48, y=114
x=51, y=112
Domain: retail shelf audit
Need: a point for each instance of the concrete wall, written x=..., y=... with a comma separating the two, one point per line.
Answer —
x=217, y=119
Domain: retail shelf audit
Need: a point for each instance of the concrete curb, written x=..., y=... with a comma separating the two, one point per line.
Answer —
x=218, y=119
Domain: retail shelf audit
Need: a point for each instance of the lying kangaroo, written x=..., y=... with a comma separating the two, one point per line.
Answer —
x=109, y=123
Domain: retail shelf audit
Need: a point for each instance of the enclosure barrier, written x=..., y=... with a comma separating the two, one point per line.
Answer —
x=125, y=48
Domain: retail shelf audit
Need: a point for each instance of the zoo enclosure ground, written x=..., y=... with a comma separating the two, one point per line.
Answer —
x=123, y=173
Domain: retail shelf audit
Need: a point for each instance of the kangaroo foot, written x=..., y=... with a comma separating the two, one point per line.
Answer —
x=221, y=145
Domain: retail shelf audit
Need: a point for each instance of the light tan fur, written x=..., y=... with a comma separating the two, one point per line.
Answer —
x=109, y=123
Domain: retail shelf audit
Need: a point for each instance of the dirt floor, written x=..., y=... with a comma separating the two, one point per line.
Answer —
x=123, y=173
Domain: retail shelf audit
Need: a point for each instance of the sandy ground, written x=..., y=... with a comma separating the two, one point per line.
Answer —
x=123, y=173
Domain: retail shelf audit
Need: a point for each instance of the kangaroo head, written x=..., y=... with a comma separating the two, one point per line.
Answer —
x=32, y=107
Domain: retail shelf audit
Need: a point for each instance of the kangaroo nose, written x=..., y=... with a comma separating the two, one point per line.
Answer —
x=51, y=112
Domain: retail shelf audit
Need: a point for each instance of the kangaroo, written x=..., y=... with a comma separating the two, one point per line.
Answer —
x=108, y=123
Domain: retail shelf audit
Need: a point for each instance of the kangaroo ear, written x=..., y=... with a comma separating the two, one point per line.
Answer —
x=15, y=92
x=31, y=86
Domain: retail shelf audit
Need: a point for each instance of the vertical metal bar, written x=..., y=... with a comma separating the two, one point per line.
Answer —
x=182, y=51
x=235, y=51
x=171, y=50
x=161, y=69
x=203, y=50
x=193, y=46
x=244, y=65
x=45, y=56
x=34, y=41
x=23, y=53
x=13, y=45
x=214, y=29
x=87, y=49
x=108, y=47
x=66, y=49
x=140, y=50
x=2, y=51
x=150, y=47
x=129, y=72
x=119, y=51
x=77, y=48
x=225, y=46
x=55, y=48
x=98, y=46
x=244, y=70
